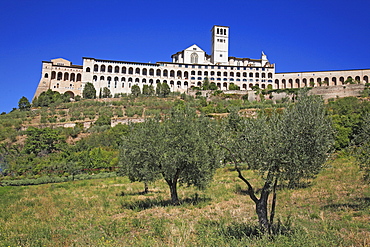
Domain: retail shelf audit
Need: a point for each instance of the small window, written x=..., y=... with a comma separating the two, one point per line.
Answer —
x=220, y=55
x=194, y=49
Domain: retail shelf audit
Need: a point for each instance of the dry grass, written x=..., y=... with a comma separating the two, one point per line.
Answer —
x=333, y=211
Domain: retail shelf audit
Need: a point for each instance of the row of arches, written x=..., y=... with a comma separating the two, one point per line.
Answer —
x=64, y=77
x=326, y=81
x=173, y=73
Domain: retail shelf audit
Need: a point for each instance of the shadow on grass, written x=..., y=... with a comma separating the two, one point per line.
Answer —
x=138, y=193
x=246, y=230
x=357, y=204
x=147, y=203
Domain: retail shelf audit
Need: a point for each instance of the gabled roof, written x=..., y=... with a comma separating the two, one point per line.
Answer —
x=188, y=49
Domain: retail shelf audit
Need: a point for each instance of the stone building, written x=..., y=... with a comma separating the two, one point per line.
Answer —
x=188, y=69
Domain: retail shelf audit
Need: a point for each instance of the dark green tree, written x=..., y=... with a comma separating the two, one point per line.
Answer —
x=283, y=148
x=205, y=84
x=89, y=91
x=232, y=86
x=24, y=104
x=362, y=146
x=148, y=90
x=106, y=93
x=135, y=90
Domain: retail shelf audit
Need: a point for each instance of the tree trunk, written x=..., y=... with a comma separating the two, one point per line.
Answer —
x=174, y=197
x=261, y=210
x=146, y=189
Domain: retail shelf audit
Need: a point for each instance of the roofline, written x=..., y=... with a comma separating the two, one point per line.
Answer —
x=320, y=71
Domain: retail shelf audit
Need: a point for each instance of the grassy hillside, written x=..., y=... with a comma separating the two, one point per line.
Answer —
x=334, y=210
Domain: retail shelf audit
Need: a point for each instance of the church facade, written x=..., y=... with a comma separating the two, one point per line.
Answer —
x=189, y=68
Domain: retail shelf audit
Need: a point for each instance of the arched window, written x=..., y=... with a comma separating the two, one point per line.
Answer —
x=165, y=73
x=88, y=69
x=123, y=79
x=192, y=72
x=46, y=75
x=116, y=69
x=212, y=73
x=151, y=72
x=60, y=76
x=178, y=74
x=158, y=72
x=263, y=75
x=237, y=74
x=96, y=68
x=199, y=72
x=137, y=80
x=110, y=69
x=334, y=80
x=144, y=80
x=145, y=71
x=218, y=73
x=66, y=76
x=205, y=73
x=73, y=77
x=244, y=74
x=257, y=75
x=130, y=71
x=123, y=70
x=269, y=75
x=297, y=85
x=225, y=74
x=341, y=79
x=102, y=78
x=232, y=74
x=137, y=71
x=172, y=73
x=102, y=68
x=366, y=79
x=186, y=75
x=53, y=75
x=277, y=84
x=304, y=82
x=251, y=74
x=357, y=79
x=95, y=78
x=194, y=58
x=130, y=79
x=78, y=77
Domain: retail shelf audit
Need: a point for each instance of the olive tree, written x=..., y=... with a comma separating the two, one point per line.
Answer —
x=283, y=148
x=362, y=146
x=179, y=148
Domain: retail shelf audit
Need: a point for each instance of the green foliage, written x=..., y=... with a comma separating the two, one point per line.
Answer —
x=163, y=90
x=135, y=90
x=106, y=93
x=148, y=90
x=283, y=148
x=103, y=120
x=362, y=146
x=24, y=104
x=50, y=97
x=42, y=141
x=89, y=91
x=232, y=86
x=179, y=148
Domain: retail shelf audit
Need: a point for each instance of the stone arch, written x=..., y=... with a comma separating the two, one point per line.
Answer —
x=357, y=79
x=312, y=82
x=304, y=82
x=319, y=82
x=334, y=81
x=290, y=83
x=66, y=77
x=366, y=79
x=70, y=94
x=341, y=79
x=283, y=82
x=277, y=86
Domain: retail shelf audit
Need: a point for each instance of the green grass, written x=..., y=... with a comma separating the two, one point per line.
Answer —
x=333, y=211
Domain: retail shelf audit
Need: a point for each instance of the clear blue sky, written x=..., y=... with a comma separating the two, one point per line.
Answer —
x=295, y=35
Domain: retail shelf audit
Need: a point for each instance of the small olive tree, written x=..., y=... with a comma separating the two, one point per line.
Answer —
x=179, y=148
x=283, y=148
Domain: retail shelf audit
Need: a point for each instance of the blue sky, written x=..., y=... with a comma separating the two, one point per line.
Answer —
x=295, y=35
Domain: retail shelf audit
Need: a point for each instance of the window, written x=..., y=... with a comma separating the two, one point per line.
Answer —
x=194, y=49
x=194, y=58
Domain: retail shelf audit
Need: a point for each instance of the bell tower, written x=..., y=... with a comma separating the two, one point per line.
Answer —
x=220, y=45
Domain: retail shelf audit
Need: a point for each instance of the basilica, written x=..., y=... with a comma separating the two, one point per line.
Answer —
x=188, y=69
